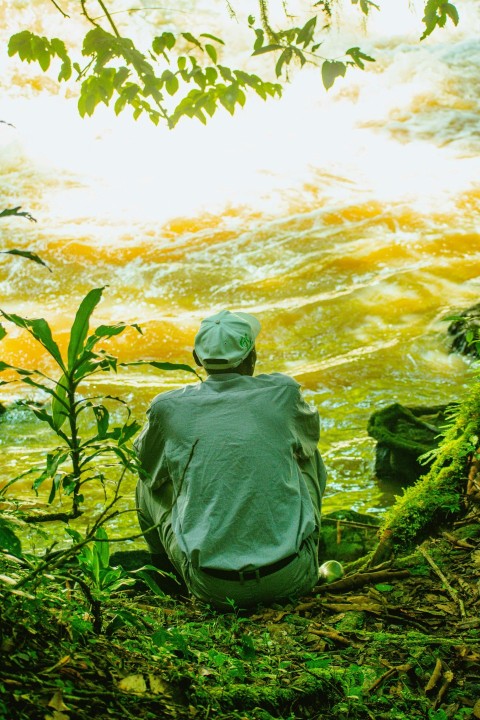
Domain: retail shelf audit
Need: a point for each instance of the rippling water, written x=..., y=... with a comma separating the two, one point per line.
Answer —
x=347, y=221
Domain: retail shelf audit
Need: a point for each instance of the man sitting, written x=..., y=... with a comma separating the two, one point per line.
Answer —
x=232, y=479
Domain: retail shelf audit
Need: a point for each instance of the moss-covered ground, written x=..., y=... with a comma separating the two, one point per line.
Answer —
x=396, y=642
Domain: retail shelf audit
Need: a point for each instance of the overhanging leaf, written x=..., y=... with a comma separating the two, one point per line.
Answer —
x=331, y=69
x=27, y=254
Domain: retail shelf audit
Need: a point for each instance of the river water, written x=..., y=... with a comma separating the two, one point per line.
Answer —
x=346, y=221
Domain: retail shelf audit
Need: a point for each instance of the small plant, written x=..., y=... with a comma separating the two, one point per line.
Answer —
x=83, y=454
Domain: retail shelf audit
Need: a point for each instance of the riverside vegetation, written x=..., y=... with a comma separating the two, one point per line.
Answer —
x=81, y=636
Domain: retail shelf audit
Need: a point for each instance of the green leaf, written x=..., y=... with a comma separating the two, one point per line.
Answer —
x=331, y=69
x=383, y=587
x=40, y=330
x=267, y=48
x=16, y=212
x=163, y=366
x=211, y=75
x=171, y=84
x=40, y=47
x=8, y=540
x=102, y=548
x=27, y=254
x=165, y=41
x=54, y=488
x=80, y=325
x=212, y=37
x=3, y=332
x=285, y=57
x=60, y=407
x=259, y=40
x=102, y=416
x=212, y=53
x=6, y=366
x=191, y=39
x=305, y=35
x=358, y=57
x=452, y=13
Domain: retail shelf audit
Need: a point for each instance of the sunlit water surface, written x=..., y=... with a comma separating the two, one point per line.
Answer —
x=347, y=221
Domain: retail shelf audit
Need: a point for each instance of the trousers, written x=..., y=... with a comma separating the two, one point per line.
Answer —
x=154, y=508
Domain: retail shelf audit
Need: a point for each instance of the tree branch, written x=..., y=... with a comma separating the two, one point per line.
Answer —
x=109, y=17
x=65, y=15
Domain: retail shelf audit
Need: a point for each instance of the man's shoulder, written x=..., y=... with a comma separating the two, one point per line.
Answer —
x=277, y=378
x=174, y=395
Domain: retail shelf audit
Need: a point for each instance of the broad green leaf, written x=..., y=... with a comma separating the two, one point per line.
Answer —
x=102, y=548
x=165, y=41
x=212, y=53
x=60, y=406
x=40, y=330
x=21, y=43
x=3, y=332
x=80, y=325
x=8, y=540
x=331, y=69
x=26, y=254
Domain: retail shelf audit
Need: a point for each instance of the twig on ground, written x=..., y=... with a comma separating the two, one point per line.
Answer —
x=451, y=591
x=386, y=675
x=360, y=579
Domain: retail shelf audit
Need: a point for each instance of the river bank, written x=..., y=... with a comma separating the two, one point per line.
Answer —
x=398, y=642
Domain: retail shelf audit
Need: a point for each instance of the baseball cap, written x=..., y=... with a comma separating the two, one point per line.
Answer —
x=225, y=339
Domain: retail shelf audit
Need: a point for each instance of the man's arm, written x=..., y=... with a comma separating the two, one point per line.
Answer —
x=150, y=447
x=307, y=427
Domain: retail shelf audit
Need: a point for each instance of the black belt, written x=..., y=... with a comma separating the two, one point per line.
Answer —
x=249, y=574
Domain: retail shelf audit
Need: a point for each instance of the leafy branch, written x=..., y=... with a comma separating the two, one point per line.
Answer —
x=114, y=71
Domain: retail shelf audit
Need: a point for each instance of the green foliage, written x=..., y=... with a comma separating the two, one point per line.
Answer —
x=438, y=494
x=80, y=458
x=113, y=70
x=436, y=15
x=33, y=48
x=119, y=73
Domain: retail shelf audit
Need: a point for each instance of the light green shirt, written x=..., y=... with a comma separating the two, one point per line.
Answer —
x=230, y=447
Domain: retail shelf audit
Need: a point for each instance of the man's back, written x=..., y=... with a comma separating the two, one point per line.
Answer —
x=230, y=446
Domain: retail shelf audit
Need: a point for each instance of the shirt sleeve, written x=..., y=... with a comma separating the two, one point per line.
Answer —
x=150, y=447
x=306, y=427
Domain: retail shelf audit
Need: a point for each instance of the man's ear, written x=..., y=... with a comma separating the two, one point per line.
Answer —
x=197, y=361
